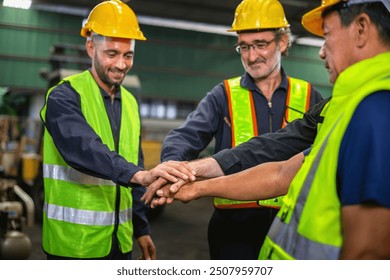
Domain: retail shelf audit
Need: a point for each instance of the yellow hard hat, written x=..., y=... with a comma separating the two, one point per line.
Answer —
x=259, y=14
x=113, y=19
x=312, y=20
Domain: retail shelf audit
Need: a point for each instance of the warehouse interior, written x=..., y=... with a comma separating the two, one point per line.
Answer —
x=187, y=52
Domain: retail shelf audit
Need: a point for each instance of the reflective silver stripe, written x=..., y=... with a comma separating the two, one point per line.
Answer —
x=69, y=174
x=287, y=236
x=85, y=217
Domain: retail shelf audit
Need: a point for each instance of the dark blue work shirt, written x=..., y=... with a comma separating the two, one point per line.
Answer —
x=83, y=149
x=364, y=154
x=211, y=119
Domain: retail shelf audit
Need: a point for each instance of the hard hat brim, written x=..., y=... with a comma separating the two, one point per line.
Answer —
x=312, y=20
x=257, y=29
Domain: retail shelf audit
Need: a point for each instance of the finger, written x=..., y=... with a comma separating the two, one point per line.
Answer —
x=176, y=186
x=154, y=203
x=163, y=192
x=157, y=201
x=180, y=170
x=187, y=166
x=146, y=254
x=152, y=189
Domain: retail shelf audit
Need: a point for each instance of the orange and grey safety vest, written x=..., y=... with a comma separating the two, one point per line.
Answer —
x=82, y=212
x=308, y=225
x=244, y=125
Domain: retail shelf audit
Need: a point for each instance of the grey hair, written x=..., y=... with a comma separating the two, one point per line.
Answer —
x=282, y=32
x=94, y=37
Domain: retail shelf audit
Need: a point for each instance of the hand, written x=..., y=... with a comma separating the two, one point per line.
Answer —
x=186, y=193
x=156, y=185
x=206, y=168
x=152, y=188
x=147, y=247
x=171, y=171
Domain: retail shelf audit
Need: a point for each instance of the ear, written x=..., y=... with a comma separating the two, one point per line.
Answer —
x=362, y=24
x=283, y=43
x=90, y=47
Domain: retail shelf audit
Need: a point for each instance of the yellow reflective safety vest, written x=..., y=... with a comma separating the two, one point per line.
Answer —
x=308, y=225
x=82, y=212
x=244, y=125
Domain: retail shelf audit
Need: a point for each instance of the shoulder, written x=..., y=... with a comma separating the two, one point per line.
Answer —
x=216, y=95
x=377, y=100
x=372, y=110
x=63, y=89
x=63, y=94
x=370, y=119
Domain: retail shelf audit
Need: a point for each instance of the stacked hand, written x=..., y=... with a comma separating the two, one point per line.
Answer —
x=171, y=171
x=181, y=186
x=182, y=190
x=171, y=174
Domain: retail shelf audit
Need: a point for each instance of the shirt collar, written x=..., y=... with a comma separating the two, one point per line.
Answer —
x=106, y=95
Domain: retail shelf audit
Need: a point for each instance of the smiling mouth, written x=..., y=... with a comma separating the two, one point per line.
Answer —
x=118, y=75
x=255, y=65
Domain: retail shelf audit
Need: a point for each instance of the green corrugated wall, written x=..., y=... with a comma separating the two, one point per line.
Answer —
x=172, y=64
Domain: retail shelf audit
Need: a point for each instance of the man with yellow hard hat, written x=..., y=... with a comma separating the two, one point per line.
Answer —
x=262, y=100
x=338, y=205
x=93, y=163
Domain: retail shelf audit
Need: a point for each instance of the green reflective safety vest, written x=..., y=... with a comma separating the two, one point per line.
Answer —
x=244, y=125
x=308, y=225
x=82, y=212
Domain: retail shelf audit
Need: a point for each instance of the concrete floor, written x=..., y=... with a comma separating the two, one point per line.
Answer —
x=179, y=233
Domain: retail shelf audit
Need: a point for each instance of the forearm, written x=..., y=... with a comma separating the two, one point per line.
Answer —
x=264, y=181
x=140, y=220
x=206, y=168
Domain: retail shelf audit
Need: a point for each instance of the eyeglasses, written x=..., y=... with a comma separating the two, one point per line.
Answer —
x=257, y=46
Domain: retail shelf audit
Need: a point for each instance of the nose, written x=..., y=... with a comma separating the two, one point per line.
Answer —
x=321, y=53
x=252, y=52
x=120, y=63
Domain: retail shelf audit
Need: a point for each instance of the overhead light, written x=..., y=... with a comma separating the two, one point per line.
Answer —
x=309, y=41
x=186, y=25
x=21, y=4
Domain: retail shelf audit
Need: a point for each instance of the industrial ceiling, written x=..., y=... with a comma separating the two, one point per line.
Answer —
x=212, y=12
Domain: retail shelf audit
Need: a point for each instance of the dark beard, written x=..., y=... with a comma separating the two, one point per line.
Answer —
x=102, y=75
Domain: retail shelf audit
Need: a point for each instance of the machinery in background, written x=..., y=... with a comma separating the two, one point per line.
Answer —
x=16, y=212
x=20, y=196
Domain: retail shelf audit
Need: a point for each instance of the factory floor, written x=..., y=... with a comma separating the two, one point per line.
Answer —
x=179, y=232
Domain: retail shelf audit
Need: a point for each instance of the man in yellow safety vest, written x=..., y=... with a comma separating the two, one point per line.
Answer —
x=92, y=166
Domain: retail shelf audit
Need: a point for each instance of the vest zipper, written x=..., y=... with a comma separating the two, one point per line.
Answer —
x=270, y=115
x=116, y=136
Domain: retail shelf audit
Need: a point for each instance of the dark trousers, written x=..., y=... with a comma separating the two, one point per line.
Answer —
x=237, y=234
